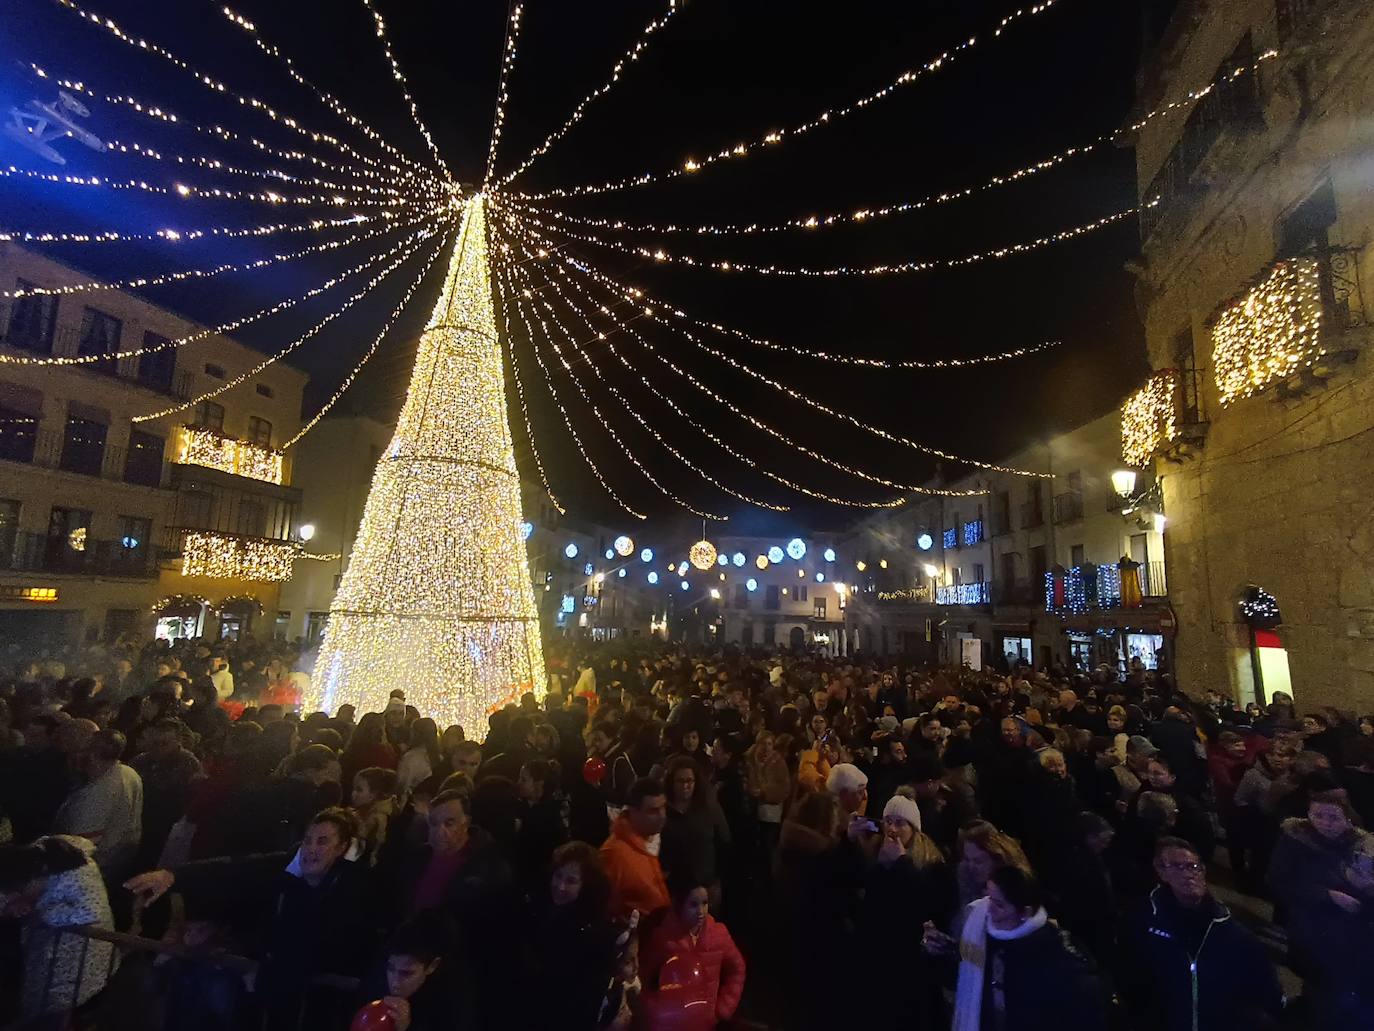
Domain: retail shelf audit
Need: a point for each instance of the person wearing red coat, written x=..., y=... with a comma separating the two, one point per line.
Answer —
x=693, y=971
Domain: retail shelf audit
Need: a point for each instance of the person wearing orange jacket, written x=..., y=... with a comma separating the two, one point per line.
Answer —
x=630, y=854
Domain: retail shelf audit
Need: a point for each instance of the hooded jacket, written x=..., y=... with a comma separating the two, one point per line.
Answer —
x=1304, y=867
x=636, y=877
x=713, y=951
x=1193, y=969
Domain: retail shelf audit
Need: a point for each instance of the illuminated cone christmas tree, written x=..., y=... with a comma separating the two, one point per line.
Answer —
x=437, y=596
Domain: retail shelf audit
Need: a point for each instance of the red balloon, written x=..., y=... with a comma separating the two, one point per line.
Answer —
x=594, y=770
x=373, y=1017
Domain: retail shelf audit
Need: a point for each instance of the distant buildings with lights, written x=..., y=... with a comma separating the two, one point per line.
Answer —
x=1255, y=274
x=188, y=520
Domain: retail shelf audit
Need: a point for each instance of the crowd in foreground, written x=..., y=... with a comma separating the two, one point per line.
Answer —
x=676, y=840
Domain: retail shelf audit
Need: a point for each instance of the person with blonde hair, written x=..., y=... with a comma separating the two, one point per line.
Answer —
x=982, y=849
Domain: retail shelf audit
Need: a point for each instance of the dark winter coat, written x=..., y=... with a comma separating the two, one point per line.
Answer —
x=1040, y=982
x=1304, y=867
x=897, y=901
x=1189, y=969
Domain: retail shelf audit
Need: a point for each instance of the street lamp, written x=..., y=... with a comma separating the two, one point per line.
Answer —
x=307, y=531
x=1123, y=482
x=931, y=570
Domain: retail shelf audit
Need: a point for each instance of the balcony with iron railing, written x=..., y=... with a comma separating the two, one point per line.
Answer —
x=1091, y=587
x=145, y=371
x=1032, y=514
x=78, y=453
x=1153, y=582
x=77, y=554
x=1068, y=507
x=977, y=593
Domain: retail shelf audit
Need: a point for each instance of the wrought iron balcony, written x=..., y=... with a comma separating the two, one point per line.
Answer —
x=1068, y=507
x=83, y=454
x=963, y=594
x=76, y=553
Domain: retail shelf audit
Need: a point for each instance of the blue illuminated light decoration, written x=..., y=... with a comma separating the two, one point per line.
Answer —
x=925, y=541
x=647, y=555
x=682, y=569
x=738, y=558
x=775, y=554
x=588, y=569
x=722, y=560
x=526, y=529
x=610, y=554
x=570, y=550
x=1108, y=587
x=973, y=532
x=621, y=574
x=686, y=586
x=951, y=538
x=130, y=542
x=830, y=554
x=820, y=578
x=962, y=594
x=653, y=576
x=796, y=548
x=569, y=603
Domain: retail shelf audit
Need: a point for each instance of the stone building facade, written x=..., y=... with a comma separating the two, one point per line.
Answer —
x=1253, y=272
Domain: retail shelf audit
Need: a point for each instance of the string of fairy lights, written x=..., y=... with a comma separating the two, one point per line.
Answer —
x=830, y=116
x=388, y=187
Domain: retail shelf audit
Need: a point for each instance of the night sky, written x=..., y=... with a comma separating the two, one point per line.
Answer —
x=721, y=71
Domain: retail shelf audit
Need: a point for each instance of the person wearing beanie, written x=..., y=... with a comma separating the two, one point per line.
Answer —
x=909, y=884
x=849, y=785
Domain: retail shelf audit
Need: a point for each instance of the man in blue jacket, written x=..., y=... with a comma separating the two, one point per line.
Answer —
x=1185, y=963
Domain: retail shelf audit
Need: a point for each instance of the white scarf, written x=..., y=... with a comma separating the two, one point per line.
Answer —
x=973, y=955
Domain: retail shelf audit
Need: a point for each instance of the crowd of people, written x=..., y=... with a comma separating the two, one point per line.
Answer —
x=677, y=839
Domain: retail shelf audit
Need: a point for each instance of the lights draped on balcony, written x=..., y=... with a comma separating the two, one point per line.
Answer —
x=223, y=556
x=1083, y=588
x=1149, y=418
x=205, y=447
x=1271, y=332
x=963, y=594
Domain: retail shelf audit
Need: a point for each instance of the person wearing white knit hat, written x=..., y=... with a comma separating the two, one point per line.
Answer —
x=849, y=785
x=902, y=808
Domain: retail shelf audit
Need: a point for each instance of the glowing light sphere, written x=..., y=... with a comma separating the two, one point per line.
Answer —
x=820, y=578
x=588, y=569
x=624, y=547
x=761, y=561
x=722, y=560
x=686, y=586
x=738, y=559
x=751, y=584
x=610, y=554
x=703, y=554
x=796, y=548
x=882, y=563
x=861, y=565
x=621, y=574
x=653, y=576
x=925, y=542
x=722, y=577
x=526, y=529
x=647, y=555
x=830, y=554
x=571, y=550
x=682, y=569
x=775, y=554
x=801, y=574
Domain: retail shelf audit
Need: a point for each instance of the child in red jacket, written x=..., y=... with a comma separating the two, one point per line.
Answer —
x=693, y=972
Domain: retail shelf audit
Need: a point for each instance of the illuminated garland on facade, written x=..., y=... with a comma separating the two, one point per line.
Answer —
x=437, y=594
x=1149, y=418
x=205, y=447
x=1271, y=332
x=224, y=556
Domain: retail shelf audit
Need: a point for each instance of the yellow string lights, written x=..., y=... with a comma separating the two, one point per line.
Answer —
x=567, y=418
x=1271, y=332
x=437, y=593
x=372, y=348
x=200, y=334
x=630, y=409
x=157, y=113
x=400, y=78
x=186, y=235
x=216, y=86
x=498, y=120
x=138, y=282
x=326, y=98
x=222, y=556
x=409, y=246
x=199, y=445
x=746, y=417
x=822, y=221
x=658, y=254
x=691, y=165
x=797, y=395
x=1149, y=418
x=629, y=57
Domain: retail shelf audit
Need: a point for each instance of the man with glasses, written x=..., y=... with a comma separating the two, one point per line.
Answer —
x=1185, y=962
